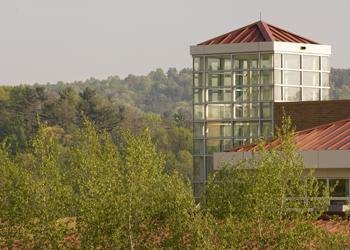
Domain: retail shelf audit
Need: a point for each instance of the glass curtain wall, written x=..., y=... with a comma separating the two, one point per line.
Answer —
x=301, y=77
x=232, y=106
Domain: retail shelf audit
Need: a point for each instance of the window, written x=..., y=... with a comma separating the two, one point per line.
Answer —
x=218, y=63
x=266, y=93
x=266, y=129
x=340, y=187
x=198, y=96
x=278, y=77
x=278, y=60
x=210, y=164
x=291, y=77
x=198, y=80
x=198, y=130
x=219, y=95
x=247, y=94
x=218, y=111
x=325, y=63
x=266, y=110
x=214, y=145
x=246, y=129
x=311, y=62
x=198, y=147
x=246, y=62
x=218, y=80
x=266, y=77
x=291, y=61
x=326, y=95
x=198, y=168
x=198, y=112
x=311, y=94
x=198, y=63
x=325, y=79
x=278, y=93
x=292, y=94
x=248, y=110
x=241, y=142
x=246, y=78
x=266, y=61
x=217, y=129
x=311, y=79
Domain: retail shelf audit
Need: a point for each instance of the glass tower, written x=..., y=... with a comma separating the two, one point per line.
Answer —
x=235, y=86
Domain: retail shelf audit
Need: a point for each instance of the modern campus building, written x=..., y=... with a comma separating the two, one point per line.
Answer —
x=325, y=149
x=240, y=80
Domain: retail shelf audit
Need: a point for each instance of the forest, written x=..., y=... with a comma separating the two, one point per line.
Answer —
x=106, y=164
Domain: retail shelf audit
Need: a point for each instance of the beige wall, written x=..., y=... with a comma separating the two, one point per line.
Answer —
x=327, y=163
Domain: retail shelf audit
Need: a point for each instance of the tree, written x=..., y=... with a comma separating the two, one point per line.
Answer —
x=268, y=197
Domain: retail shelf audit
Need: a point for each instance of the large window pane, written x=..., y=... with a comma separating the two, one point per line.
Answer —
x=214, y=145
x=246, y=129
x=291, y=61
x=266, y=61
x=292, y=93
x=325, y=79
x=247, y=110
x=311, y=94
x=266, y=110
x=326, y=95
x=198, y=168
x=278, y=60
x=198, y=129
x=247, y=94
x=266, y=93
x=278, y=77
x=218, y=63
x=311, y=62
x=218, y=111
x=219, y=129
x=266, y=77
x=291, y=77
x=219, y=95
x=198, y=96
x=198, y=112
x=218, y=80
x=241, y=142
x=246, y=62
x=210, y=164
x=198, y=80
x=198, y=147
x=266, y=129
x=246, y=78
x=198, y=63
x=278, y=93
x=340, y=187
x=325, y=63
x=311, y=79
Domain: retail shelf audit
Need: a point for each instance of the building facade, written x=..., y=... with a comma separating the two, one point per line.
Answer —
x=237, y=78
x=325, y=150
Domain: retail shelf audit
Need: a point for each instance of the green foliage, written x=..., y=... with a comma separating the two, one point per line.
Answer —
x=269, y=200
x=86, y=191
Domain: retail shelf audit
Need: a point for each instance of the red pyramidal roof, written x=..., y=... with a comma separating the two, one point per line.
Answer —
x=258, y=32
x=331, y=136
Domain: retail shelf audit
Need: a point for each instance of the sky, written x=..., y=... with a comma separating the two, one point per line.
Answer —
x=65, y=40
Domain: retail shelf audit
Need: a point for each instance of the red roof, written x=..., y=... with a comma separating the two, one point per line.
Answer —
x=258, y=32
x=331, y=136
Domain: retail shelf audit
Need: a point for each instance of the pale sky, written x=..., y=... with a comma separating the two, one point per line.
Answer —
x=51, y=40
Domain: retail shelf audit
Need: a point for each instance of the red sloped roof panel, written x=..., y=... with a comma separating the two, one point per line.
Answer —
x=332, y=136
x=258, y=32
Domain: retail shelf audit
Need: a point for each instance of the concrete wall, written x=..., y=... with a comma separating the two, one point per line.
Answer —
x=322, y=161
